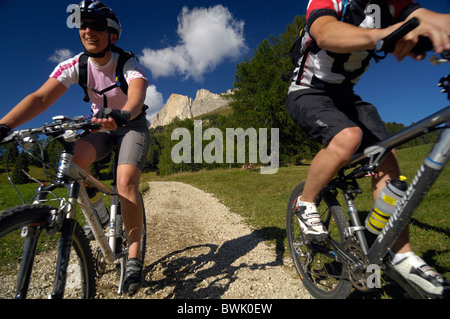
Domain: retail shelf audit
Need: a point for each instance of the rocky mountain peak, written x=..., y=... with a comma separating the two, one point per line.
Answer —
x=184, y=107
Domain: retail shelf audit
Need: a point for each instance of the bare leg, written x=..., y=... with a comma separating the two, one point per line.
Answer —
x=128, y=187
x=330, y=160
x=132, y=211
x=84, y=155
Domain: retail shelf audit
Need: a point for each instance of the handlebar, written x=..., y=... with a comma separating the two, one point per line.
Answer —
x=61, y=125
x=388, y=44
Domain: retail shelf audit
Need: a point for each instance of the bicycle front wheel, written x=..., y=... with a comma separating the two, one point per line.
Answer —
x=28, y=256
x=322, y=276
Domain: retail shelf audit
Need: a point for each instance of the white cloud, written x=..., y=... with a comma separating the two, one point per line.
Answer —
x=61, y=55
x=154, y=100
x=207, y=37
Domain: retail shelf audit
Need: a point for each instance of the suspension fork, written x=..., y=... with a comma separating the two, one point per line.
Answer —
x=32, y=234
x=26, y=265
x=65, y=243
x=63, y=259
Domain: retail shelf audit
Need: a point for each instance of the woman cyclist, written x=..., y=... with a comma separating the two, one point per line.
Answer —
x=122, y=117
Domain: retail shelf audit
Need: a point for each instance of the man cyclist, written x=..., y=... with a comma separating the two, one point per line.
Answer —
x=123, y=122
x=338, y=44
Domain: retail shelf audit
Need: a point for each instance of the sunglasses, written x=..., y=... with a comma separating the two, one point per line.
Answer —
x=94, y=26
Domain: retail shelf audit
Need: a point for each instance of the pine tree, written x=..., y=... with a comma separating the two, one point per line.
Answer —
x=262, y=84
x=18, y=176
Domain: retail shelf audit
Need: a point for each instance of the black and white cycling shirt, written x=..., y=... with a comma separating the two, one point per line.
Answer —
x=340, y=72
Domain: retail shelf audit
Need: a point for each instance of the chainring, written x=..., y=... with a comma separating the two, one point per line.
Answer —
x=358, y=278
x=99, y=262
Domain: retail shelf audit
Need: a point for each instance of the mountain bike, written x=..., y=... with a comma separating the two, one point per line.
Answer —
x=351, y=257
x=44, y=251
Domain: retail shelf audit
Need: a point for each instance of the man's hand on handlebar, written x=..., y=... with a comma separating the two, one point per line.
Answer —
x=405, y=46
x=414, y=39
x=438, y=37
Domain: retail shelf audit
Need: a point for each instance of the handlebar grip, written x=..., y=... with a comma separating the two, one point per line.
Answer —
x=92, y=126
x=8, y=139
x=388, y=44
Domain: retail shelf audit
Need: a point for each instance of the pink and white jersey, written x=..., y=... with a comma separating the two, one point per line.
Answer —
x=100, y=77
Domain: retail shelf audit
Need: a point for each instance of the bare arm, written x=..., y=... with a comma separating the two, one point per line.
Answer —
x=136, y=97
x=339, y=37
x=34, y=104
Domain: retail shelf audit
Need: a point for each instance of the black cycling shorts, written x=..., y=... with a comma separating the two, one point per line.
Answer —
x=323, y=115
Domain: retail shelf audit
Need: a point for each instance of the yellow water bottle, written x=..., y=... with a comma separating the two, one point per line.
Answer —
x=385, y=205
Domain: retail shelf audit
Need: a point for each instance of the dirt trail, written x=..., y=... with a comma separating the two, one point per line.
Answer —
x=197, y=248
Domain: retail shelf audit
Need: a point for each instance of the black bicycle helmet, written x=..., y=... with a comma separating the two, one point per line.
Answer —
x=101, y=12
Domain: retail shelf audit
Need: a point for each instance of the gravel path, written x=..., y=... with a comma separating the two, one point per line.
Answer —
x=197, y=248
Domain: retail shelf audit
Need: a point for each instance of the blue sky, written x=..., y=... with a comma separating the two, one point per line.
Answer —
x=34, y=32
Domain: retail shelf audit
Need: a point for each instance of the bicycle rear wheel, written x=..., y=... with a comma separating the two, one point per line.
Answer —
x=321, y=275
x=28, y=256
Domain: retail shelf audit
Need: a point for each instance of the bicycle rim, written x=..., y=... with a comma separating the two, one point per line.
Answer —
x=23, y=238
x=321, y=275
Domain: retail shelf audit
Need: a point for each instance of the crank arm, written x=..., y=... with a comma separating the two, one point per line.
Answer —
x=343, y=257
x=123, y=269
x=324, y=251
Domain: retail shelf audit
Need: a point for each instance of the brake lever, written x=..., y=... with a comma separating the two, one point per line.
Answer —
x=444, y=58
x=437, y=61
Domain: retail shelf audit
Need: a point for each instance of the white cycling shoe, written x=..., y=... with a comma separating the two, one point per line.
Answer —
x=310, y=221
x=414, y=269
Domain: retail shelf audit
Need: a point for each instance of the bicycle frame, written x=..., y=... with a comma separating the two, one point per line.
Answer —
x=421, y=184
x=69, y=175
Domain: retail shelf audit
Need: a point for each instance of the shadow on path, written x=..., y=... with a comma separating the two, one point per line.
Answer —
x=207, y=270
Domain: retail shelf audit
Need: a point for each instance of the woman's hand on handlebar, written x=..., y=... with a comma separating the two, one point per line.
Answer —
x=111, y=118
x=107, y=123
x=4, y=131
